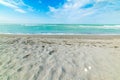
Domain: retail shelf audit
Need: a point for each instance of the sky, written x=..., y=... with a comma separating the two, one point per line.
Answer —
x=60, y=11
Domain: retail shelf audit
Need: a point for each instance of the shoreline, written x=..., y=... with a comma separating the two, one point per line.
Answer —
x=66, y=36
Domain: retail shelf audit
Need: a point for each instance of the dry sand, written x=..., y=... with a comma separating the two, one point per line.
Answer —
x=59, y=57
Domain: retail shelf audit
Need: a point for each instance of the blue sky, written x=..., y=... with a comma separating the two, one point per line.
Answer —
x=60, y=11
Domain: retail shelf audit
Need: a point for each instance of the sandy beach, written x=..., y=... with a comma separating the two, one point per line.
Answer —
x=59, y=57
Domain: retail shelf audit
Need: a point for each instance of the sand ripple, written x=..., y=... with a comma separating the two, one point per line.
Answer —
x=58, y=59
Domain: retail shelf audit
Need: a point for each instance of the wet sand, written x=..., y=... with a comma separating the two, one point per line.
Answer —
x=59, y=57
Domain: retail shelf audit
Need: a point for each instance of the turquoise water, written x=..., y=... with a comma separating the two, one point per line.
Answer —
x=59, y=29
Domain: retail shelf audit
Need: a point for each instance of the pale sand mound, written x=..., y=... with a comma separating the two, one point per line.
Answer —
x=59, y=59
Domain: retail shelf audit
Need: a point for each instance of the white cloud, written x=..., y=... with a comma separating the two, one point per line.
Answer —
x=20, y=10
x=76, y=10
x=71, y=10
x=16, y=8
x=15, y=4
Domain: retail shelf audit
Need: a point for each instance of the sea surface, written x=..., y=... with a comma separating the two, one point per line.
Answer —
x=59, y=29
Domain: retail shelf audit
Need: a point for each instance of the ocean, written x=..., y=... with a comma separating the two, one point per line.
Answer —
x=59, y=29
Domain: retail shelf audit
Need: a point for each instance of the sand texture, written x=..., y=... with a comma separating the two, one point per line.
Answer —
x=42, y=58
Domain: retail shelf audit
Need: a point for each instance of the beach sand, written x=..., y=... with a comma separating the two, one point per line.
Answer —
x=59, y=57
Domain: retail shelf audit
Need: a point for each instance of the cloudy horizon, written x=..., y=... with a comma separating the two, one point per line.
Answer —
x=60, y=11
